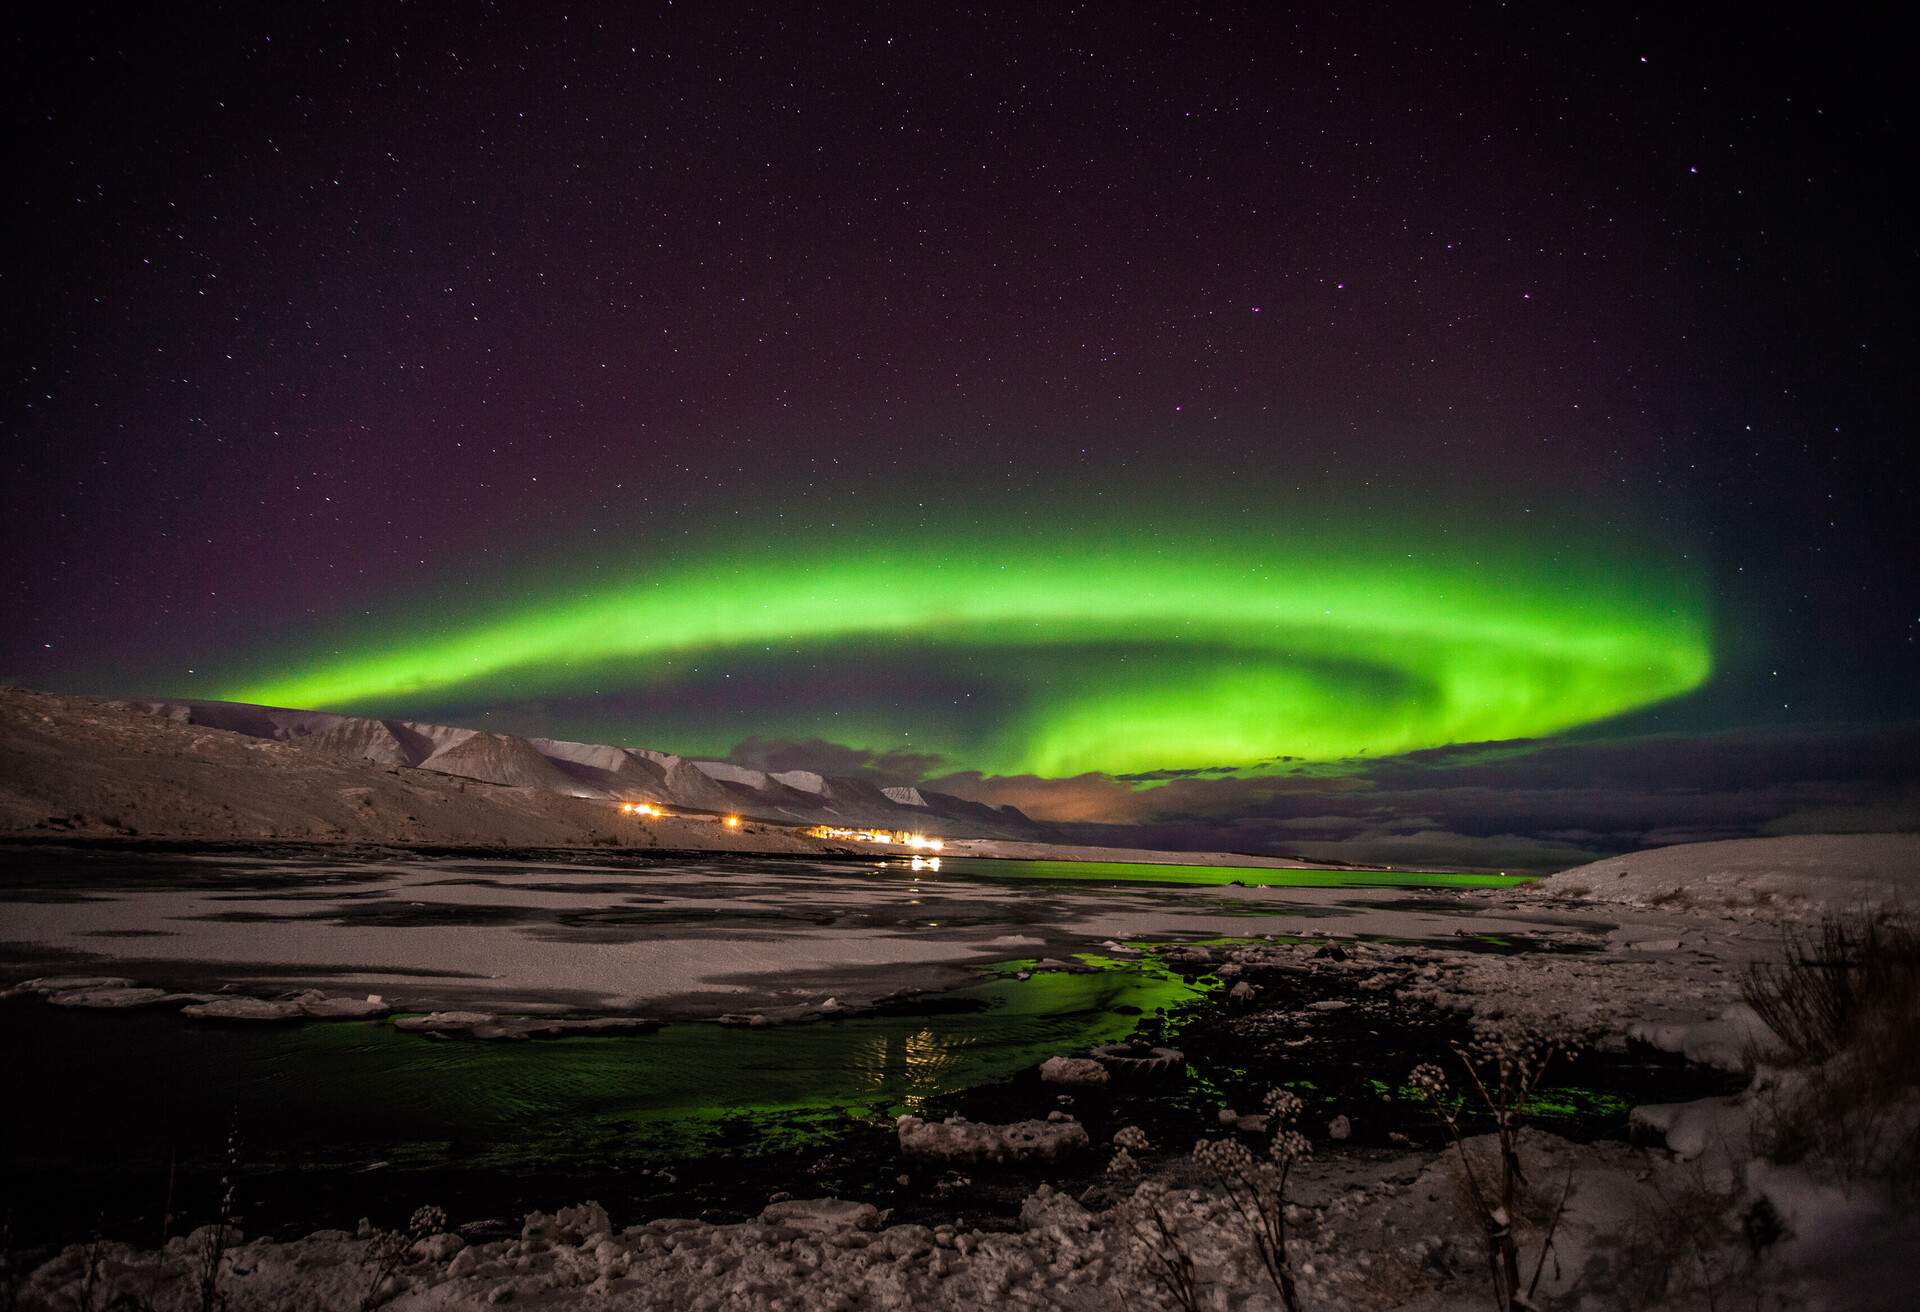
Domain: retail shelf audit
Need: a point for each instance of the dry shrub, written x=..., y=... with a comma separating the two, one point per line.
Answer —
x=1828, y=985
x=1505, y=1065
x=389, y=1250
x=1844, y=1003
x=1689, y=1249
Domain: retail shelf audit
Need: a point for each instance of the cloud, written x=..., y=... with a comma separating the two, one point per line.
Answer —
x=1889, y=813
x=1088, y=797
x=823, y=757
x=1530, y=805
x=1197, y=772
x=1309, y=825
x=1446, y=851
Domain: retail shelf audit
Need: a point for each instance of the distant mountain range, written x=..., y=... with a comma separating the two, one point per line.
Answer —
x=599, y=771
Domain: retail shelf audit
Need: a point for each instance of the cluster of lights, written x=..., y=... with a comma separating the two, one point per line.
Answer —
x=641, y=808
x=926, y=863
x=888, y=837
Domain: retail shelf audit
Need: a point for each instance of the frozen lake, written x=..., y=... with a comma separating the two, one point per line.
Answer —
x=926, y=968
x=676, y=936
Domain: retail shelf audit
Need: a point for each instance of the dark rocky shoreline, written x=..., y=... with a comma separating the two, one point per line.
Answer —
x=1319, y=1023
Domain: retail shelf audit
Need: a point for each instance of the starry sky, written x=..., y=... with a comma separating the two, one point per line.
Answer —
x=1475, y=434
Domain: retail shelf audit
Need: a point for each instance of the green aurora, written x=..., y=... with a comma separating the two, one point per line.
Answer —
x=1126, y=649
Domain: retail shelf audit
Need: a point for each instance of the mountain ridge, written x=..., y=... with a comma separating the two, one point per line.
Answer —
x=604, y=771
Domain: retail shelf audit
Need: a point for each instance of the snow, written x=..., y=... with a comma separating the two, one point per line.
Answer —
x=957, y=1141
x=1795, y=876
x=804, y=781
x=1075, y=1072
x=727, y=772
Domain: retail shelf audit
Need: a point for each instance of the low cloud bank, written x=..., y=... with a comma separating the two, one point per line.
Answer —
x=1519, y=806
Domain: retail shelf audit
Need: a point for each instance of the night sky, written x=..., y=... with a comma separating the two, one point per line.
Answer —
x=1473, y=434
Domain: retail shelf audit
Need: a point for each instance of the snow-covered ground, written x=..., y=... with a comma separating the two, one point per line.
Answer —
x=1701, y=1216
x=1761, y=878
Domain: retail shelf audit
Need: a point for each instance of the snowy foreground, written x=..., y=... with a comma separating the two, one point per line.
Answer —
x=1700, y=1215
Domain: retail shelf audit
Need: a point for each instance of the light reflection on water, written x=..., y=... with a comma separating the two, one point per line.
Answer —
x=909, y=1069
x=344, y=1097
x=346, y=1093
x=1128, y=872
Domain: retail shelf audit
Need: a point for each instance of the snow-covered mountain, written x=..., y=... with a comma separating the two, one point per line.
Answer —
x=609, y=772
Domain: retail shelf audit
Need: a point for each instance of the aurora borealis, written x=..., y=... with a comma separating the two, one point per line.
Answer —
x=1256, y=425
x=1136, y=653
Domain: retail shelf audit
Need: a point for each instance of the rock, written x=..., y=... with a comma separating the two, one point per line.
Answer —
x=555, y=1029
x=486, y=1025
x=115, y=993
x=438, y=1248
x=582, y=1222
x=1242, y=993
x=1329, y=1004
x=245, y=1009
x=1074, y=1072
x=116, y=999
x=958, y=1140
x=905, y=1242
x=821, y=1215
x=324, y=1008
x=569, y=1225
x=1139, y=1060
x=1055, y=1216
x=441, y=1022
x=1339, y=1128
x=47, y=984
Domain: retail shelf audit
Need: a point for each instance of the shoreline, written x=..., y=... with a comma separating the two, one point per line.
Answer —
x=579, y=1255
x=1217, y=1024
x=597, y=934
x=986, y=849
x=1379, y=1226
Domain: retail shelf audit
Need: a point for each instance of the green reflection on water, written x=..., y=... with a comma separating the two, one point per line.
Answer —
x=695, y=1088
x=1109, y=872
